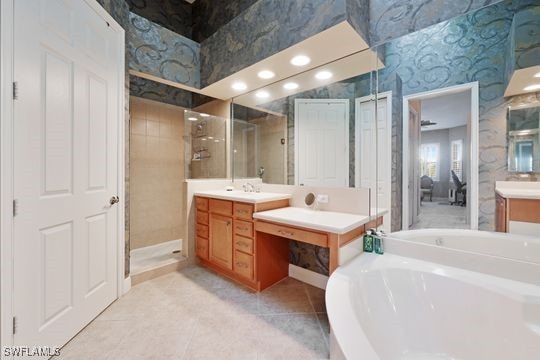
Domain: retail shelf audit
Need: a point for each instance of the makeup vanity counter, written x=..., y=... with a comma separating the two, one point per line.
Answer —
x=328, y=221
x=517, y=207
x=244, y=236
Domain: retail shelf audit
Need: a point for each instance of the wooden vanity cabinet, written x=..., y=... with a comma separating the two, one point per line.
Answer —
x=230, y=247
x=500, y=213
x=517, y=215
x=202, y=228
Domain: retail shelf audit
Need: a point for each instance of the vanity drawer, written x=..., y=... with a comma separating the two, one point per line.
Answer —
x=201, y=203
x=202, y=231
x=202, y=217
x=288, y=232
x=243, y=244
x=243, y=265
x=222, y=207
x=243, y=228
x=202, y=248
x=243, y=211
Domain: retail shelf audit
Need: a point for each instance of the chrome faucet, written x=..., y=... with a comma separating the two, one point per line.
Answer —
x=248, y=187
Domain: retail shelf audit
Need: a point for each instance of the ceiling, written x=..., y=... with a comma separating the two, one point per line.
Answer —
x=448, y=111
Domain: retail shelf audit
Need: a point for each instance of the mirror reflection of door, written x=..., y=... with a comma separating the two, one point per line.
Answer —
x=524, y=156
x=414, y=156
x=322, y=140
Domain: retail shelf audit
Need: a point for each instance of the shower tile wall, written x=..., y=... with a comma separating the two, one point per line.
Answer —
x=157, y=172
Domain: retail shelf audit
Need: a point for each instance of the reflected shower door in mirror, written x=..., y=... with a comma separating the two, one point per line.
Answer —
x=524, y=139
x=205, y=143
x=450, y=85
x=301, y=130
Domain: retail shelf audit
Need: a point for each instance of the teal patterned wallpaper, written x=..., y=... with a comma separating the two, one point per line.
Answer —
x=175, y=15
x=208, y=16
x=155, y=50
x=390, y=19
x=263, y=29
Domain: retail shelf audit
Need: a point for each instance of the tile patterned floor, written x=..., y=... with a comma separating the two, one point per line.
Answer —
x=196, y=314
x=434, y=215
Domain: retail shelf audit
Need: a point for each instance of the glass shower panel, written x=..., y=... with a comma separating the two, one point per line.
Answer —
x=205, y=143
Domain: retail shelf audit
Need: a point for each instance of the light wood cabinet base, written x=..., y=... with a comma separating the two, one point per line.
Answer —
x=227, y=244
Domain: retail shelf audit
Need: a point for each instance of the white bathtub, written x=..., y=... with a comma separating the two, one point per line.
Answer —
x=461, y=299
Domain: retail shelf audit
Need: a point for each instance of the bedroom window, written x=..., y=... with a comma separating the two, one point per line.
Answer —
x=456, y=160
x=430, y=160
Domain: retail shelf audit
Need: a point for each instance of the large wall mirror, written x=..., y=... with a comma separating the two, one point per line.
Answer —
x=302, y=130
x=420, y=119
x=450, y=86
x=524, y=139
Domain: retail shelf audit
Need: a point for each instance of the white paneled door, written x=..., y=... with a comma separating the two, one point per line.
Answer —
x=322, y=142
x=66, y=65
x=373, y=151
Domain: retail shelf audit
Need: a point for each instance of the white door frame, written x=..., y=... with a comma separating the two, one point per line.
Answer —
x=388, y=96
x=472, y=184
x=7, y=165
x=297, y=133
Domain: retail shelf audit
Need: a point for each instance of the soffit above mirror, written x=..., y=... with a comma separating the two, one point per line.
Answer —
x=523, y=62
x=338, y=42
x=349, y=67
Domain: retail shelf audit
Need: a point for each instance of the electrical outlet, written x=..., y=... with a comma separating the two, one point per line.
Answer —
x=322, y=199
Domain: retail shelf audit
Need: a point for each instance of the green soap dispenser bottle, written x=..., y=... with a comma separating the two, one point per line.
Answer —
x=368, y=242
x=378, y=243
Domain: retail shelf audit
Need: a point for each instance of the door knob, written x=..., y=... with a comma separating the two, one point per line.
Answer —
x=115, y=199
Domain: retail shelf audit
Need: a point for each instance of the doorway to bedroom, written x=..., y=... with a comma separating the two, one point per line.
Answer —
x=438, y=155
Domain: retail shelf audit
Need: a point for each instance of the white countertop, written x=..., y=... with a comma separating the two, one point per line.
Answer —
x=328, y=221
x=518, y=189
x=247, y=197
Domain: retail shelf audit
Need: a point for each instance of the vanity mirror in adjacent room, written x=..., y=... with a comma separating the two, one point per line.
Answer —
x=524, y=139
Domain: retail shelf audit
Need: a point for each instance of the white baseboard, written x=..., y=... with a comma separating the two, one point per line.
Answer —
x=126, y=286
x=308, y=276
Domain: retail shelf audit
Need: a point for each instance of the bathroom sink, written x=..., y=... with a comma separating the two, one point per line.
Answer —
x=249, y=197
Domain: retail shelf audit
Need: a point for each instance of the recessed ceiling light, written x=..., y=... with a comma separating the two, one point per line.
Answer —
x=262, y=94
x=203, y=139
x=210, y=137
x=532, y=87
x=266, y=74
x=205, y=115
x=216, y=140
x=239, y=86
x=323, y=75
x=192, y=119
x=537, y=75
x=290, y=86
x=300, y=60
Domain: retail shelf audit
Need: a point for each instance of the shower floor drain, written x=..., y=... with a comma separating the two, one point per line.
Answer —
x=176, y=252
